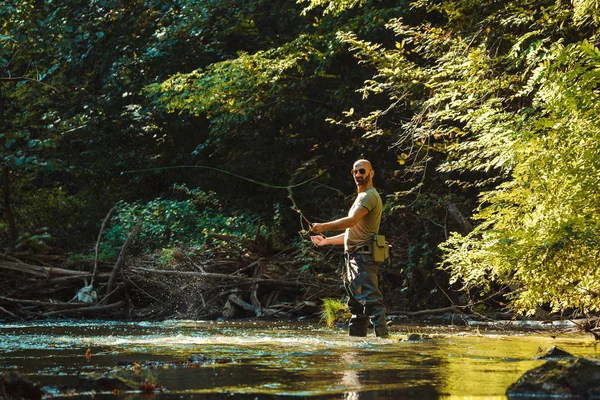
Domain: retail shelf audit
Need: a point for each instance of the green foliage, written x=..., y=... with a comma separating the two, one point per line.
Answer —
x=499, y=99
x=509, y=92
x=36, y=241
x=166, y=224
x=333, y=310
x=540, y=229
x=238, y=86
x=70, y=78
x=270, y=104
x=397, y=77
x=33, y=57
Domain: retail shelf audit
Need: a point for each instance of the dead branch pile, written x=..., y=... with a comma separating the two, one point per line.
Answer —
x=208, y=283
x=34, y=286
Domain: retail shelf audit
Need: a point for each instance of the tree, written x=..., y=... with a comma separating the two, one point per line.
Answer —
x=507, y=91
x=539, y=231
x=33, y=58
x=275, y=99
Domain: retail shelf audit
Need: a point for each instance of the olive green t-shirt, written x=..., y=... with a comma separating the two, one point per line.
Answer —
x=362, y=233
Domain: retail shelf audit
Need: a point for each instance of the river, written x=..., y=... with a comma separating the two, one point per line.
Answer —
x=272, y=360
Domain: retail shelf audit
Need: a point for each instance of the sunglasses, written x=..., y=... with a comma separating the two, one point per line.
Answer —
x=360, y=171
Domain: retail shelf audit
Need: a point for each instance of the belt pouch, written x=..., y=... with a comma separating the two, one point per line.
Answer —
x=380, y=249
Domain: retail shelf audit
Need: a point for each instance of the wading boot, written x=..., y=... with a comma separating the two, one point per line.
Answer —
x=358, y=327
x=382, y=331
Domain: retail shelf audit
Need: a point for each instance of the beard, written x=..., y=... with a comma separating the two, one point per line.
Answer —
x=362, y=181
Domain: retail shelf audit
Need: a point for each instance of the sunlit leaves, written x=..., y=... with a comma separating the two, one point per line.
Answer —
x=236, y=86
x=330, y=6
x=509, y=92
x=541, y=229
x=586, y=11
x=397, y=77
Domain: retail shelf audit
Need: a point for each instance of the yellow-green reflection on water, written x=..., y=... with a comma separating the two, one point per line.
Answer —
x=284, y=359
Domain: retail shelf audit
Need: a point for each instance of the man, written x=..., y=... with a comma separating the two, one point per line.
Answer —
x=360, y=277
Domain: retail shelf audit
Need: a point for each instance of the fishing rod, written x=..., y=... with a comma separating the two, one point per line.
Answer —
x=305, y=231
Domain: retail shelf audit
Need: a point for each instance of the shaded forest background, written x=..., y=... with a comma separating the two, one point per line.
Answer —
x=204, y=126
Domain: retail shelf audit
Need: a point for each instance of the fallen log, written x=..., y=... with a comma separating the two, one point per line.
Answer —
x=62, y=280
x=247, y=267
x=254, y=290
x=37, y=270
x=9, y=300
x=231, y=239
x=45, y=257
x=25, y=268
x=86, y=310
x=427, y=312
x=107, y=296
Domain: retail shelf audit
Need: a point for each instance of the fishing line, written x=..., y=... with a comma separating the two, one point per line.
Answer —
x=133, y=171
x=288, y=187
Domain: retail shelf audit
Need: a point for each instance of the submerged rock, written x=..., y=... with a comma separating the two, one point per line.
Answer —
x=578, y=378
x=14, y=387
x=553, y=353
x=198, y=359
x=107, y=382
x=416, y=337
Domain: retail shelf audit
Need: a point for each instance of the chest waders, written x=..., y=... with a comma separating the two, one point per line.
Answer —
x=365, y=300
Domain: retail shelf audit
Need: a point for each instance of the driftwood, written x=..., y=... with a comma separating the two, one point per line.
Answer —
x=9, y=300
x=254, y=290
x=258, y=280
x=107, y=296
x=69, y=279
x=235, y=299
x=228, y=238
x=27, y=288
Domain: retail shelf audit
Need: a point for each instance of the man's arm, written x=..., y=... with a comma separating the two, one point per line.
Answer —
x=343, y=223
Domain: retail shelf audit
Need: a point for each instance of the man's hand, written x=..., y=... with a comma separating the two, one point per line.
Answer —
x=319, y=240
x=316, y=228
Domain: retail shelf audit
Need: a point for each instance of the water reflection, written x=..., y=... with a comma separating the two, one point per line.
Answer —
x=277, y=359
x=393, y=373
x=350, y=376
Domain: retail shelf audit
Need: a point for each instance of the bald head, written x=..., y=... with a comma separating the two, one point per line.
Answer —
x=363, y=173
x=365, y=163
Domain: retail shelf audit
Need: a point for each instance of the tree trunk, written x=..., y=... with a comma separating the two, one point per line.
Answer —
x=463, y=223
x=10, y=218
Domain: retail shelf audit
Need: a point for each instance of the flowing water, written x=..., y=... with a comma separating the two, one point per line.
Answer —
x=272, y=360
